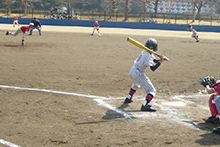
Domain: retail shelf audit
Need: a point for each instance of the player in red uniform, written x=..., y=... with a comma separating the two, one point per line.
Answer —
x=214, y=102
x=96, y=27
x=15, y=21
x=21, y=30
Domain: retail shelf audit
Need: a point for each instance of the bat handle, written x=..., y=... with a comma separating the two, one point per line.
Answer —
x=157, y=55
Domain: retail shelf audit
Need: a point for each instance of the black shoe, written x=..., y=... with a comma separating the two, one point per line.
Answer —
x=213, y=120
x=216, y=130
x=91, y=34
x=127, y=100
x=197, y=41
x=147, y=108
x=7, y=33
x=30, y=34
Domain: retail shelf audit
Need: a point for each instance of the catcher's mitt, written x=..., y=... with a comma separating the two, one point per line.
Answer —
x=208, y=80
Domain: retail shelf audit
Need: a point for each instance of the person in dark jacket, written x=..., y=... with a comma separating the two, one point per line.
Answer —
x=37, y=25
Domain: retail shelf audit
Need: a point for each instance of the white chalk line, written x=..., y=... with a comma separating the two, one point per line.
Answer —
x=100, y=101
x=9, y=144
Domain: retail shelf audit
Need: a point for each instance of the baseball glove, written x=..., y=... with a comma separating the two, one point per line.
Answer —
x=208, y=80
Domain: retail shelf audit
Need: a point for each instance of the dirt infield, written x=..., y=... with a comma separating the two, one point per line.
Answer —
x=66, y=88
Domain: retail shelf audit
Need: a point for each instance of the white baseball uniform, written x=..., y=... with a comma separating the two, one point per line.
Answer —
x=137, y=72
x=194, y=33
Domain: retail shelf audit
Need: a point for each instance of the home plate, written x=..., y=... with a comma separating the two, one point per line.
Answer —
x=177, y=104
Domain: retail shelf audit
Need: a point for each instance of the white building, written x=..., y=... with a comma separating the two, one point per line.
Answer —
x=177, y=6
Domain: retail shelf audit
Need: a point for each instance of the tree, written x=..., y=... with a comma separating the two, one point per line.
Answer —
x=140, y=6
x=111, y=6
x=197, y=5
x=24, y=5
x=155, y=3
x=7, y=4
x=94, y=5
x=126, y=11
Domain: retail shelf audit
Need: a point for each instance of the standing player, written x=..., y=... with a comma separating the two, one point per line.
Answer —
x=21, y=30
x=137, y=74
x=15, y=21
x=37, y=25
x=96, y=27
x=194, y=32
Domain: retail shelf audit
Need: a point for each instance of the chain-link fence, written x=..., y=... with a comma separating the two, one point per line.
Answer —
x=160, y=18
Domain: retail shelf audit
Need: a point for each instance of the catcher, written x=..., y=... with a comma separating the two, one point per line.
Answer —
x=212, y=87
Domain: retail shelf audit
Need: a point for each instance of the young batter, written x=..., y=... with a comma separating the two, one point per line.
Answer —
x=96, y=27
x=137, y=74
x=21, y=30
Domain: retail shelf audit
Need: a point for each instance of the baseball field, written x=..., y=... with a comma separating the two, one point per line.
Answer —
x=66, y=88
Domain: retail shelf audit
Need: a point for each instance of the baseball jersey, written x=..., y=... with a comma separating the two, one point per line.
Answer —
x=15, y=18
x=96, y=25
x=25, y=29
x=144, y=60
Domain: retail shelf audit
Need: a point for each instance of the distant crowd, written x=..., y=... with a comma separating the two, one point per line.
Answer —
x=56, y=13
x=148, y=20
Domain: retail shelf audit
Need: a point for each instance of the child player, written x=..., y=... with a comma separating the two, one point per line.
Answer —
x=96, y=27
x=21, y=30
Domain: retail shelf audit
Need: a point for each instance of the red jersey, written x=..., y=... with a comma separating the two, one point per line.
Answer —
x=96, y=25
x=25, y=29
x=216, y=87
x=15, y=18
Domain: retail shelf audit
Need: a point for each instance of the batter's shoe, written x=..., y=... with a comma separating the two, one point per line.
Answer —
x=7, y=33
x=127, y=100
x=91, y=34
x=216, y=130
x=213, y=120
x=197, y=41
x=147, y=108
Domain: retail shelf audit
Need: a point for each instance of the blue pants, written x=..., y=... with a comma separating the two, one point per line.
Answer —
x=37, y=27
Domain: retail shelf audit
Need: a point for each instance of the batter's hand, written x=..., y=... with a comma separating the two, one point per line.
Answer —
x=163, y=58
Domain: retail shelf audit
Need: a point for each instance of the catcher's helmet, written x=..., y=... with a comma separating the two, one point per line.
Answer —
x=151, y=44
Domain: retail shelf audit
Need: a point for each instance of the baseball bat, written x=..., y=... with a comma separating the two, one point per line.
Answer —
x=140, y=45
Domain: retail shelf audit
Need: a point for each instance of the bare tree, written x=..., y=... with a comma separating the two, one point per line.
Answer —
x=145, y=8
x=111, y=6
x=24, y=4
x=155, y=3
x=70, y=6
x=8, y=4
x=197, y=5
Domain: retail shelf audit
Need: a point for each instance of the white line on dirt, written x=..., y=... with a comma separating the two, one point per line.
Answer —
x=6, y=143
x=126, y=115
x=52, y=91
x=100, y=101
